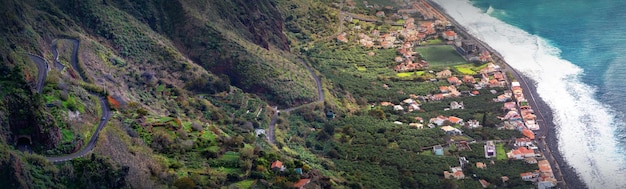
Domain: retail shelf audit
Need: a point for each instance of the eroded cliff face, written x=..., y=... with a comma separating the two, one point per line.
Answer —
x=240, y=39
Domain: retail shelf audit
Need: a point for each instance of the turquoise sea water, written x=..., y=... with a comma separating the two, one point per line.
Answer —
x=576, y=50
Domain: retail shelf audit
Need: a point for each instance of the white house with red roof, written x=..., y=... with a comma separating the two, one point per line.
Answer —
x=449, y=35
x=521, y=153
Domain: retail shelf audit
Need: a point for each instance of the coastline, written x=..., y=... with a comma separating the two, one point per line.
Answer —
x=547, y=139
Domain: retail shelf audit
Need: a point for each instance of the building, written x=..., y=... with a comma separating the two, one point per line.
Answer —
x=473, y=124
x=484, y=183
x=443, y=74
x=519, y=142
x=456, y=105
x=456, y=172
x=277, y=166
x=438, y=150
x=451, y=130
x=469, y=79
x=455, y=120
x=454, y=81
x=449, y=35
x=527, y=176
x=490, y=149
x=521, y=153
x=301, y=183
x=481, y=165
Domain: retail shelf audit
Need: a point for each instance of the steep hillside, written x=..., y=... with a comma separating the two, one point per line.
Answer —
x=187, y=82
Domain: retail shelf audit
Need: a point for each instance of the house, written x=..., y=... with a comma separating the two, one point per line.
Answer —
x=398, y=108
x=380, y=14
x=444, y=89
x=398, y=122
x=456, y=105
x=449, y=130
x=490, y=149
x=417, y=125
x=414, y=107
x=484, y=183
x=342, y=37
x=468, y=79
x=454, y=81
x=443, y=74
x=456, y=172
x=495, y=83
x=473, y=124
x=527, y=176
x=512, y=115
x=463, y=161
x=386, y=104
x=386, y=44
x=481, y=165
x=455, y=120
x=485, y=56
x=499, y=76
x=509, y=106
x=301, y=183
x=502, y=98
x=548, y=183
x=449, y=35
x=298, y=170
x=528, y=133
x=438, y=150
x=438, y=120
x=408, y=101
x=420, y=119
x=437, y=97
x=520, y=153
x=504, y=179
x=519, y=142
x=375, y=33
x=260, y=132
x=544, y=167
x=398, y=59
x=475, y=92
x=277, y=166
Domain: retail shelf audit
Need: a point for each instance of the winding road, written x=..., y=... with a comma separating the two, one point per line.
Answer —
x=320, y=95
x=106, y=112
x=42, y=73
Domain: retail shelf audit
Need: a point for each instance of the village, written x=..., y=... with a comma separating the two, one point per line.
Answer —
x=517, y=114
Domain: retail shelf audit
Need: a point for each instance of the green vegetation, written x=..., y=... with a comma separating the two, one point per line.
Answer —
x=409, y=74
x=500, y=152
x=436, y=41
x=191, y=82
x=440, y=56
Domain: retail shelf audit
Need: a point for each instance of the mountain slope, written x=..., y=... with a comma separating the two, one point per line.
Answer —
x=166, y=68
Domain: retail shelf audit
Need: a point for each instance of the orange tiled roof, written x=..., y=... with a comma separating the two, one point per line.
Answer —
x=454, y=119
x=301, y=183
x=449, y=33
x=277, y=164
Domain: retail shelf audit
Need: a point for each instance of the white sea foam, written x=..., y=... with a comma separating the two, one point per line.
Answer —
x=585, y=127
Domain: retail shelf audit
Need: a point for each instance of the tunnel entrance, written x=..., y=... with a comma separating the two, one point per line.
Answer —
x=24, y=142
x=24, y=139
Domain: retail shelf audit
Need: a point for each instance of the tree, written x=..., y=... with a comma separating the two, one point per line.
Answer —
x=184, y=183
x=378, y=113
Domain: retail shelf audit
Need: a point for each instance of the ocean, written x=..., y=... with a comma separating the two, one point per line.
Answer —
x=576, y=51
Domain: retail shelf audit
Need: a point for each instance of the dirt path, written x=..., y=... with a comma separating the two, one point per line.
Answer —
x=320, y=95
